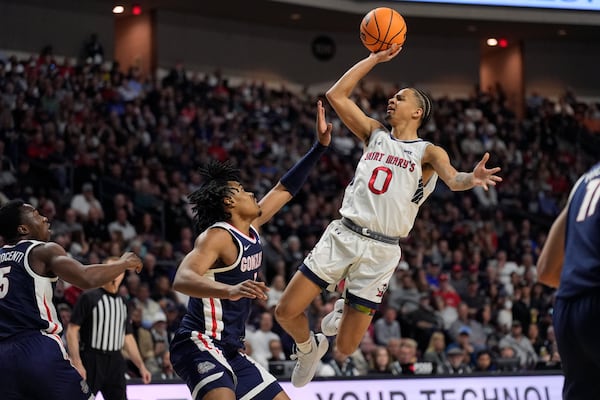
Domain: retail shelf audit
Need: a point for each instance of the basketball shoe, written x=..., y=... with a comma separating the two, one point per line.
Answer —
x=306, y=364
x=331, y=322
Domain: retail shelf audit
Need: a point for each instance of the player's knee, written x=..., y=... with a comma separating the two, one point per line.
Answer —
x=283, y=312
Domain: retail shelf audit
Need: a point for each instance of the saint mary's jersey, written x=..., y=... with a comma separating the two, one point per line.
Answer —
x=581, y=267
x=224, y=321
x=25, y=297
x=388, y=186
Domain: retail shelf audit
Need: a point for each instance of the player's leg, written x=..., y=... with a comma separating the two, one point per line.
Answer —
x=49, y=373
x=290, y=315
x=324, y=266
x=254, y=381
x=202, y=366
x=296, y=297
x=353, y=325
x=577, y=332
x=365, y=285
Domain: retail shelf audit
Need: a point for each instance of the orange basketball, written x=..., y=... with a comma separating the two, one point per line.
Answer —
x=381, y=28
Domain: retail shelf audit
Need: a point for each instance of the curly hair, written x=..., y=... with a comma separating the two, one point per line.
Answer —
x=10, y=219
x=207, y=200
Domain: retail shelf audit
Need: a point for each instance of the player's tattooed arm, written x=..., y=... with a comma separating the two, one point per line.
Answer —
x=481, y=176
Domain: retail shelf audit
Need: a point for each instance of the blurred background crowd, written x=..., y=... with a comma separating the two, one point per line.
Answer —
x=109, y=156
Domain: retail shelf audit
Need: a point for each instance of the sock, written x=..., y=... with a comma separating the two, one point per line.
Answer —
x=305, y=347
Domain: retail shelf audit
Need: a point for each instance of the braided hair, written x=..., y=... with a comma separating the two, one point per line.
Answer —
x=426, y=104
x=207, y=200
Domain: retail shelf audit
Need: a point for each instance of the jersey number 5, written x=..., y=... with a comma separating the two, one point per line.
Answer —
x=380, y=180
x=4, y=281
x=590, y=200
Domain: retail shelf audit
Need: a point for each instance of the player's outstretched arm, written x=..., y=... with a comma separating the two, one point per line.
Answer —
x=211, y=246
x=56, y=261
x=550, y=263
x=294, y=179
x=339, y=94
x=438, y=158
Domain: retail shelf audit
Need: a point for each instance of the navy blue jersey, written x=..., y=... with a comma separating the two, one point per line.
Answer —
x=224, y=320
x=581, y=267
x=25, y=297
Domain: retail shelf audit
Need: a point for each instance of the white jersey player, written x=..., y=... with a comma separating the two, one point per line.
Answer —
x=394, y=176
x=388, y=186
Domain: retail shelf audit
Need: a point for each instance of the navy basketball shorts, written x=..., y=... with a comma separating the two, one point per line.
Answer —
x=205, y=366
x=34, y=366
x=577, y=329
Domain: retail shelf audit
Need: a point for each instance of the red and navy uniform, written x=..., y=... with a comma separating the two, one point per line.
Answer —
x=577, y=305
x=205, y=351
x=33, y=361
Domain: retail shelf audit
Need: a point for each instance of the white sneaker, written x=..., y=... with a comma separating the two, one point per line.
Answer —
x=307, y=364
x=331, y=322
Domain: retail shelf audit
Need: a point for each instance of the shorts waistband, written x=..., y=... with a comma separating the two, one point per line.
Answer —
x=366, y=232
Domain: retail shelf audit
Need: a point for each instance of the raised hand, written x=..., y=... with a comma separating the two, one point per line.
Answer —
x=483, y=176
x=250, y=289
x=388, y=54
x=323, y=127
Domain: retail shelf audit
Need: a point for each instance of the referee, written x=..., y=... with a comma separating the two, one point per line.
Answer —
x=99, y=329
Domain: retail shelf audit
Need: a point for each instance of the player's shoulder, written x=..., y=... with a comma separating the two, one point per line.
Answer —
x=49, y=249
x=432, y=151
x=216, y=235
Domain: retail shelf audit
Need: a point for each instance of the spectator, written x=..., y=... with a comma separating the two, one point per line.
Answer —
x=150, y=309
x=407, y=357
x=447, y=292
x=387, y=327
x=340, y=365
x=122, y=226
x=145, y=343
x=406, y=296
x=520, y=344
x=381, y=361
x=161, y=340
x=473, y=298
x=95, y=228
x=84, y=201
x=476, y=333
x=484, y=362
x=435, y=352
x=456, y=361
x=508, y=360
x=69, y=225
x=276, y=290
x=259, y=339
x=275, y=351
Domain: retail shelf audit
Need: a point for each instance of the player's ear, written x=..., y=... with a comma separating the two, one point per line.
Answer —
x=22, y=230
x=418, y=113
x=228, y=202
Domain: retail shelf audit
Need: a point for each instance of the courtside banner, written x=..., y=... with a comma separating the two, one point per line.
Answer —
x=530, y=387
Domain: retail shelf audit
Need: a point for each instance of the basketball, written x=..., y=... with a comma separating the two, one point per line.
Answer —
x=381, y=28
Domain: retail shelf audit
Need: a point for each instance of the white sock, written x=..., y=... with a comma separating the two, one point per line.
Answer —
x=305, y=347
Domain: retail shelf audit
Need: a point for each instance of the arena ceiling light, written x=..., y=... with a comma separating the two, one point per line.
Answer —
x=118, y=9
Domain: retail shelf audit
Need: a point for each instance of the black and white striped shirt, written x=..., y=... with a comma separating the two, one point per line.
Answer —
x=103, y=319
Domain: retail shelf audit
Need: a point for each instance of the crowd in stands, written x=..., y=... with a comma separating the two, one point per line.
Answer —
x=109, y=157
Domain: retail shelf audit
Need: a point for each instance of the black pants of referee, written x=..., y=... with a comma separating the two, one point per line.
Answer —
x=105, y=373
x=577, y=329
